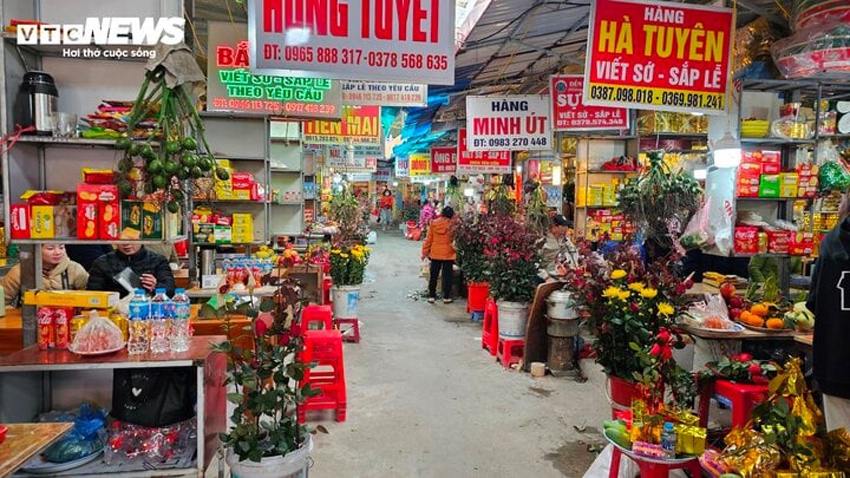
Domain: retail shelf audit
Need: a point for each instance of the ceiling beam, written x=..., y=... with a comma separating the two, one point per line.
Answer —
x=777, y=19
x=545, y=52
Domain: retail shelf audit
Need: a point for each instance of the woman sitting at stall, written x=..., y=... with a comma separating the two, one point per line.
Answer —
x=58, y=273
x=557, y=250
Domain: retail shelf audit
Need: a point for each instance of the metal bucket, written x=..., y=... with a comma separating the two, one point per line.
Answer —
x=560, y=305
x=513, y=318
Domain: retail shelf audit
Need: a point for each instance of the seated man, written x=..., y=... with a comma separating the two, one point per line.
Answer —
x=148, y=269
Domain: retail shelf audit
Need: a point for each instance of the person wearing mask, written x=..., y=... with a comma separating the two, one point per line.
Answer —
x=131, y=264
x=57, y=270
x=386, y=205
x=829, y=300
x=439, y=248
x=557, y=247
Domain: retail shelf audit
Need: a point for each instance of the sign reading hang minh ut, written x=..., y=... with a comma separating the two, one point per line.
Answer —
x=658, y=55
x=508, y=123
x=359, y=125
x=232, y=87
x=408, y=41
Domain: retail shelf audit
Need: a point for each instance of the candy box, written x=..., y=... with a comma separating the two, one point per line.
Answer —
x=802, y=244
x=746, y=240
x=779, y=241
x=650, y=450
x=223, y=234
x=109, y=216
x=87, y=222
x=203, y=233
x=91, y=299
x=41, y=222
x=242, y=180
x=788, y=185
x=131, y=219
x=20, y=221
x=151, y=221
x=769, y=186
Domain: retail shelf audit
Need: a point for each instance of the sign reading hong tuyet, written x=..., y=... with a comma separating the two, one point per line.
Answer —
x=377, y=40
x=569, y=113
x=512, y=123
x=360, y=125
x=105, y=32
x=658, y=55
x=232, y=87
x=383, y=94
x=444, y=159
x=479, y=162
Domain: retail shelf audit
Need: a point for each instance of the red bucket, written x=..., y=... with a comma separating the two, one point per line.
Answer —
x=477, y=293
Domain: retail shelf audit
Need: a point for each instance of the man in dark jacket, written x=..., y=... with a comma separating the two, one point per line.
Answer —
x=829, y=300
x=151, y=269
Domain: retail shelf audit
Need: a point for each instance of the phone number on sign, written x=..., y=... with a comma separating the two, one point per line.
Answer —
x=273, y=106
x=509, y=142
x=650, y=96
x=356, y=56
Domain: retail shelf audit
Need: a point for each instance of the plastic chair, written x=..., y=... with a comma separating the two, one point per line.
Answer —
x=490, y=328
x=328, y=376
x=509, y=351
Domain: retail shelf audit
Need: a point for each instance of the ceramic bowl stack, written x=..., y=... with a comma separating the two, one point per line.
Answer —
x=754, y=128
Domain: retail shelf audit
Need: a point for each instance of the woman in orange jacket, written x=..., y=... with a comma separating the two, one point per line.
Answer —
x=439, y=249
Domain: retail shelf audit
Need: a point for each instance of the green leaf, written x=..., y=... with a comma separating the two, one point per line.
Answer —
x=634, y=346
x=235, y=398
x=267, y=306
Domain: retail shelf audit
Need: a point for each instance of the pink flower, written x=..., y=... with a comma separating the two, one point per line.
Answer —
x=494, y=241
x=745, y=357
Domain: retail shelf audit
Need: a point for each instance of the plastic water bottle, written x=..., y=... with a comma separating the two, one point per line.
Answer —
x=140, y=308
x=668, y=440
x=179, y=335
x=159, y=322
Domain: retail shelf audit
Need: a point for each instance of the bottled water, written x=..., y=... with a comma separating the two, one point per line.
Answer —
x=668, y=440
x=179, y=334
x=139, y=314
x=159, y=322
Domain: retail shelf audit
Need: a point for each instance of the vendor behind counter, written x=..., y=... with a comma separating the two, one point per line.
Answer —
x=58, y=273
x=134, y=265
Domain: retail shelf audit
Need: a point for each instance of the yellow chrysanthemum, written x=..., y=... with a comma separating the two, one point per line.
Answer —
x=344, y=256
x=649, y=293
x=636, y=286
x=336, y=251
x=665, y=309
x=624, y=295
x=612, y=293
x=618, y=274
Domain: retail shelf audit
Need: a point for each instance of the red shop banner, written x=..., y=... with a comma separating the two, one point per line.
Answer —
x=479, y=162
x=444, y=159
x=658, y=55
x=360, y=125
x=569, y=113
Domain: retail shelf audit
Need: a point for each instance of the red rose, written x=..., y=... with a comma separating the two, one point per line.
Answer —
x=689, y=283
x=260, y=327
x=664, y=336
x=655, y=350
x=295, y=330
x=755, y=369
x=666, y=353
x=284, y=339
x=634, y=307
x=744, y=357
x=680, y=289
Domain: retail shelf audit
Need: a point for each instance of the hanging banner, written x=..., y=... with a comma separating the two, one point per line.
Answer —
x=376, y=40
x=402, y=168
x=508, y=123
x=444, y=159
x=355, y=162
x=478, y=162
x=384, y=175
x=360, y=125
x=420, y=164
x=383, y=94
x=569, y=113
x=658, y=55
x=232, y=87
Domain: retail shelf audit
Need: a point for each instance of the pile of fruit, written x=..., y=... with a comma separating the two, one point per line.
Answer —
x=617, y=432
x=770, y=312
x=265, y=252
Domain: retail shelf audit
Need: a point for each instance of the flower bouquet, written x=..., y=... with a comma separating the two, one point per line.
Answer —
x=348, y=264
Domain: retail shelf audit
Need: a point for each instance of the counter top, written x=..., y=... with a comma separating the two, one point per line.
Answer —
x=25, y=440
x=745, y=334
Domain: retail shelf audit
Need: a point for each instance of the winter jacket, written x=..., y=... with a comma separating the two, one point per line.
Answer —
x=438, y=245
x=829, y=300
x=66, y=275
x=143, y=262
x=386, y=201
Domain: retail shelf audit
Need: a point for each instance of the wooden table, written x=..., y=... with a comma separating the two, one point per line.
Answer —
x=26, y=440
x=746, y=334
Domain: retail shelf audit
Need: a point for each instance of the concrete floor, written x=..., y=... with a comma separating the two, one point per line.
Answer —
x=424, y=400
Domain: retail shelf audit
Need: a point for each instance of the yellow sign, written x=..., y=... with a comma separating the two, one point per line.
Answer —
x=420, y=164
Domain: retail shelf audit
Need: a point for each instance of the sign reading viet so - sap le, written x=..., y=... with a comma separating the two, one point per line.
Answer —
x=383, y=94
x=232, y=87
x=658, y=55
x=377, y=40
x=480, y=162
x=511, y=123
x=569, y=113
x=444, y=159
x=359, y=125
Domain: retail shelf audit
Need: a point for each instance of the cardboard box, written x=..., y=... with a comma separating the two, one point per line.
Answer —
x=595, y=195
x=749, y=169
x=779, y=241
x=87, y=220
x=242, y=234
x=802, y=244
x=747, y=191
x=769, y=186
x=131, y=219
x=242, y=180
x=72, y=298
x=223, y=234
x=746, y=240
x=203, y=233
x=41, y=222
x=109, y=220
x=151, y=221
x=771, y=168
x=242, y=218
x=241, y=194
x=20, y=221
x=223, y=189
x=788, y=184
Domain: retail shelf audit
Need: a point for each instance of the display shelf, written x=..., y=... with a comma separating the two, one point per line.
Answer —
x=238, y=158
x=834, y=136
x=744, y=198
x=674, y=135
x=284, y=170
x=228, y=201
x=53, y=140
x=74, y=241
x=288, y=203
x=602, y=171
x=776, y=141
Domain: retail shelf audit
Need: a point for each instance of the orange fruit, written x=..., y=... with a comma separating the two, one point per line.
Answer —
x=775, y=323
x=759, y=310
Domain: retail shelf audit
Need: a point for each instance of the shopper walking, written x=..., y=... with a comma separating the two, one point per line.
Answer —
x=439, y=249
x=829, y=300
x=386, y=205
x=58, y=272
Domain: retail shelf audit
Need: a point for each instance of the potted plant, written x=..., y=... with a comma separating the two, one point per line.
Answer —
x=512, y=259
x=630, y=306
x=469, y=246
x=348, y=263
x=266, y=439
x=660, y=201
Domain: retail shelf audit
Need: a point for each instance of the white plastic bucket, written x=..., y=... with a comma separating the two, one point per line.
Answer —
x=513, y=318
x=292, y=465
x=345, y=298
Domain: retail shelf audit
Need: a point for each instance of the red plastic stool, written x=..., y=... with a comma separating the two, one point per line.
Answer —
x=317, y=314
x=650, y=468
x=490, y=328
x=327, y=283
x=741, y=398
x=509, y=351
x=325, y=348
x=351, y=332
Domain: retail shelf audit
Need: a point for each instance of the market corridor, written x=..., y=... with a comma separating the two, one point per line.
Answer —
x=424, y=400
